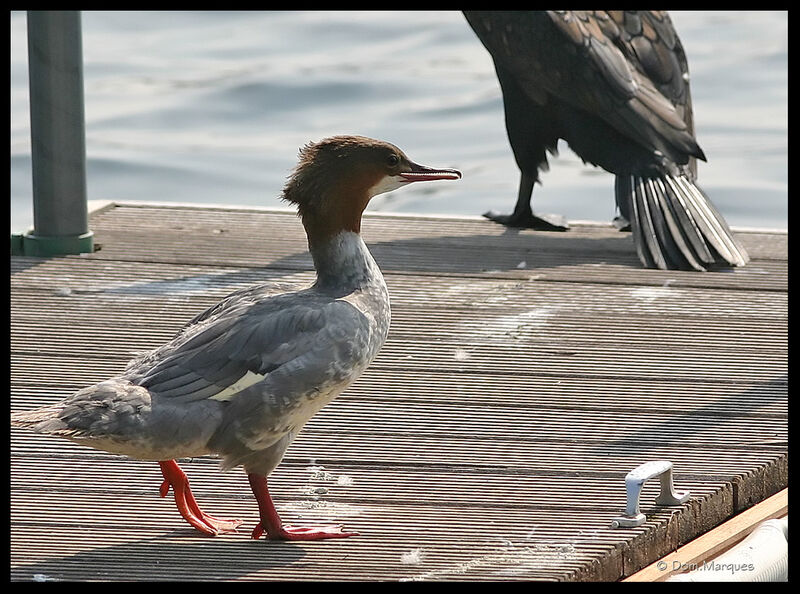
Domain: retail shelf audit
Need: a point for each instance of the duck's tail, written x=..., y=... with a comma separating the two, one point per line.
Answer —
x=675, y=225
x=41, y=420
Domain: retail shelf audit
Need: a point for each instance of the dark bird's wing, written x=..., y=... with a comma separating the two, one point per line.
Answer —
x=627, y=69
x=650, y=44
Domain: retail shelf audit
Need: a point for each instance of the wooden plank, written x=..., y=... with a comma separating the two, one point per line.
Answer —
x=461, y=247
x=55, y=375
x=488, y=441
x=716, y=541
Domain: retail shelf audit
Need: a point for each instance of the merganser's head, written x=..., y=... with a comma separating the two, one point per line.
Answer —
x=336, y=178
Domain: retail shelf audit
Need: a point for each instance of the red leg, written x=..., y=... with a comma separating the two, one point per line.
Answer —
x=174, y=477
x=271, y=522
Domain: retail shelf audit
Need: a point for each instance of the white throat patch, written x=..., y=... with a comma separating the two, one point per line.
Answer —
x=386, y=184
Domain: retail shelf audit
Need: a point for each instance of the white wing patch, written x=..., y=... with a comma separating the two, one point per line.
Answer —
x=243, y=382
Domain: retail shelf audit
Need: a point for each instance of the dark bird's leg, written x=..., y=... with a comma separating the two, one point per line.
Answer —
x=623, y=219
x=531, y=134
x=175, y=477
x=523, y=216
x=271, y=522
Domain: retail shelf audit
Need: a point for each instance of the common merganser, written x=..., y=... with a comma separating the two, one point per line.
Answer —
x=615, y=86
x=242, y=378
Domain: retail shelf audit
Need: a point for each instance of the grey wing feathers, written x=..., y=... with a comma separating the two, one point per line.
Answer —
x=213, y=354
x=242, y=296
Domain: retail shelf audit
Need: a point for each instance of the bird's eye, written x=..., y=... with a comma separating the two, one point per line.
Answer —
x=392, y=160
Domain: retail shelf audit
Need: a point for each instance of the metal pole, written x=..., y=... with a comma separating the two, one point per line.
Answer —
x=58, y=142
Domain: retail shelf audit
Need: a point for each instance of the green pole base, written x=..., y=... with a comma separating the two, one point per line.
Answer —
x=28, y=244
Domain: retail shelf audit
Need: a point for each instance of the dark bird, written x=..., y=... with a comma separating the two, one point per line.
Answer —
x=242, y=378
x=615, y=86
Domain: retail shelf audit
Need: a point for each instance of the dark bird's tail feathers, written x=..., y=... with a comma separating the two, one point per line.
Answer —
x=675, y=225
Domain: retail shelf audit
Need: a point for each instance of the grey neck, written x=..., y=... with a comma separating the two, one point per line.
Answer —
x=344, y=262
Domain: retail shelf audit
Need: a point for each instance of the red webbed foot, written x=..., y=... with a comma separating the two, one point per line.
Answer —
x=302, y=532
x=272, y=526
x=187, y=505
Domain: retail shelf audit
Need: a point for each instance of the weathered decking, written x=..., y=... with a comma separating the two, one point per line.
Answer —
x=524, y=375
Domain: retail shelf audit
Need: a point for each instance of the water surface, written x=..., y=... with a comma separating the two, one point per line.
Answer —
x=211, y=107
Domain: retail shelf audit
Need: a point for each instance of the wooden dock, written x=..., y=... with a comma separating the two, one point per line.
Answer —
x=524, y=375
